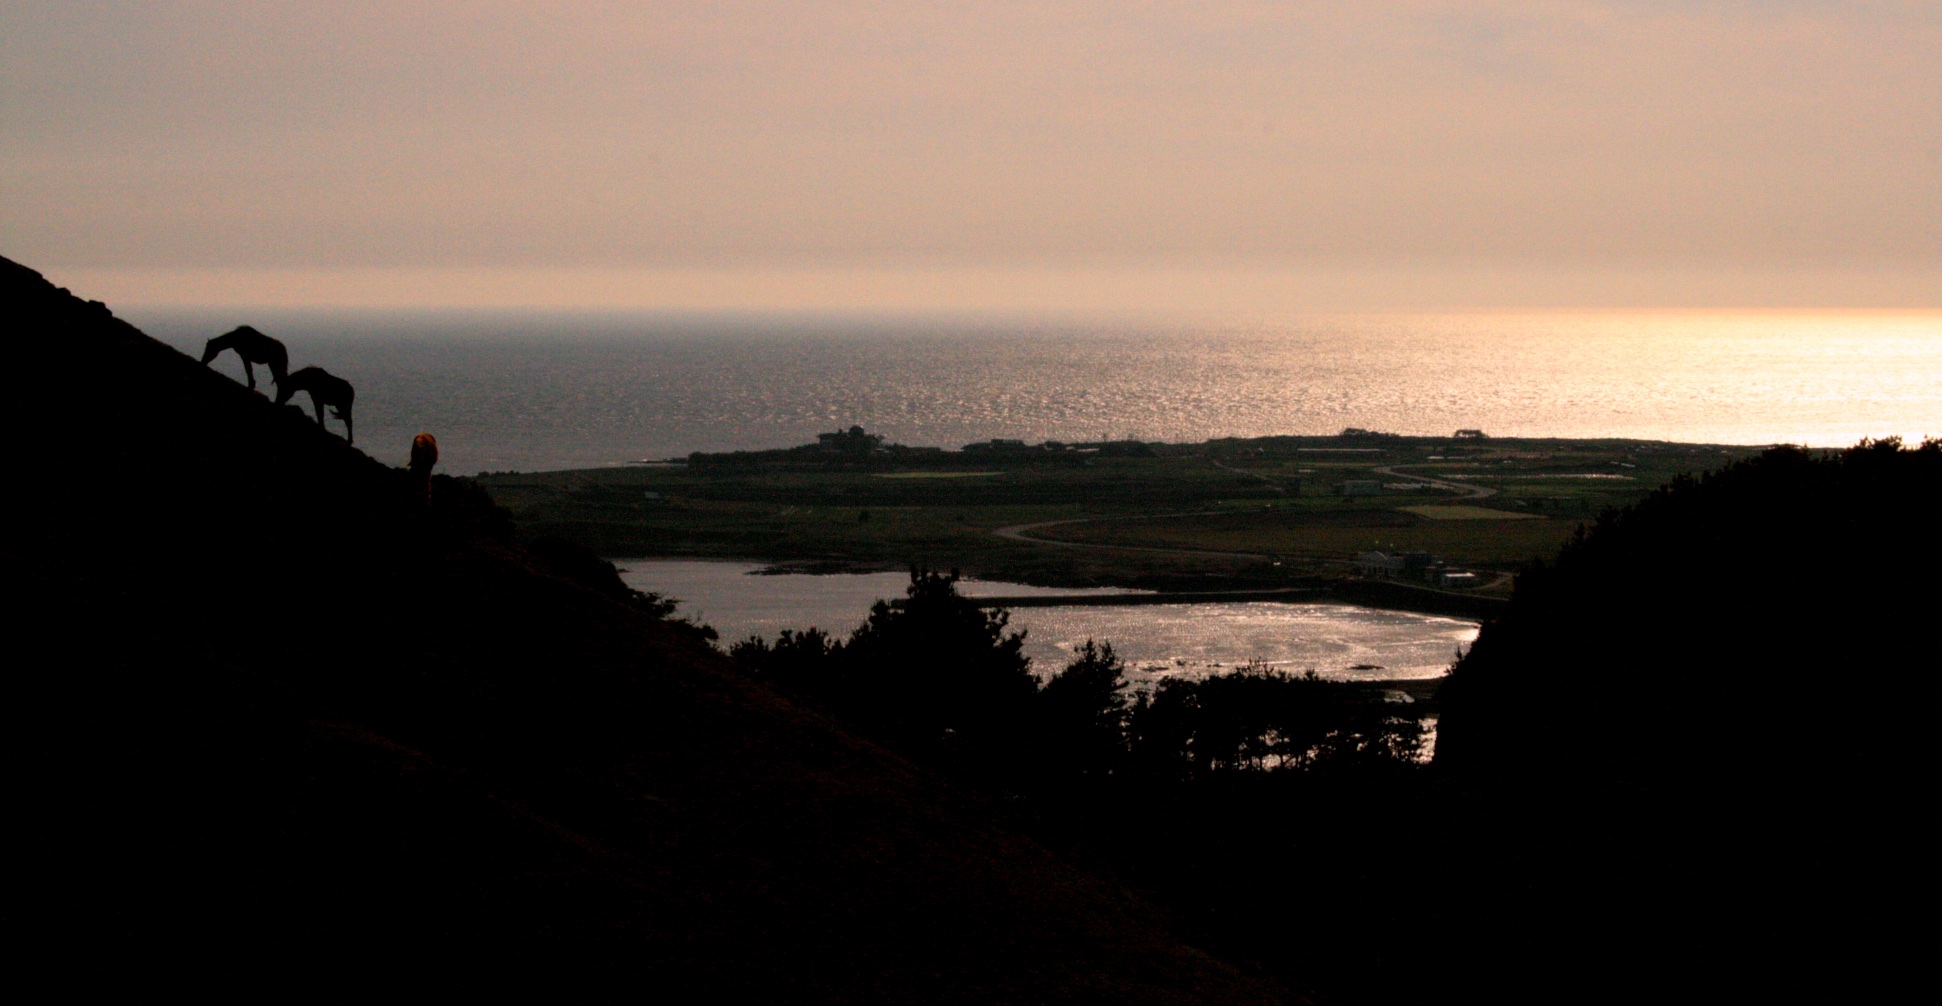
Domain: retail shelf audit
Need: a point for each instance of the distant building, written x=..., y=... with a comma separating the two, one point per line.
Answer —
x=851, y=441
x=1472, y=435
x=1377, y=563
x=1423, y=567
x=1358, y=487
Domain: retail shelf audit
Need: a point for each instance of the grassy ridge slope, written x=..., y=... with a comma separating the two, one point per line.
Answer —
x=269, y=713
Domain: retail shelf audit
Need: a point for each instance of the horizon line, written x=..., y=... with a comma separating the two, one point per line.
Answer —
x=1122, y=292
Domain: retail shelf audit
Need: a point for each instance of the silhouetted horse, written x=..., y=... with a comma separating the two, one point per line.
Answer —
x=324, y=390
x=424, y=455
x=254, y=347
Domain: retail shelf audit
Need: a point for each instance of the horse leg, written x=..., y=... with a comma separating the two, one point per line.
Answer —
x=317, y=404
x=249, y=372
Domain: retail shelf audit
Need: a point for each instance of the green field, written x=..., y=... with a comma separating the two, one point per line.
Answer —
x=1335, y=534
x=1448, y=512
x=1273, y=497
x=935, y=475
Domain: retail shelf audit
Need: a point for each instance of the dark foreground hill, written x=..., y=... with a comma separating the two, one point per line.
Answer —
x=1768, y=622
x=271, y=717
x=1707, y=726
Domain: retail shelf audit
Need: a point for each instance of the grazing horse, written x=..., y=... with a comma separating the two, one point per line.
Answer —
x=254, y=347
x=324, y=390
x=424, y=454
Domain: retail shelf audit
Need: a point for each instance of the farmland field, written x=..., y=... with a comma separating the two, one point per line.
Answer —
x=1292, y=532
x=1173, y=516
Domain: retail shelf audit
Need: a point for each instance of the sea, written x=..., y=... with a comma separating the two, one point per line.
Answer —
x=546, y=391
x=536, y=391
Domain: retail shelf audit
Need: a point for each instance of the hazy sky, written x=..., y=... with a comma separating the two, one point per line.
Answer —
x=1211, y=154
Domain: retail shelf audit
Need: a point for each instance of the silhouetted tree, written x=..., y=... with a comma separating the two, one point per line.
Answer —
x=1257, y=719
x=1082, y=714
x=798, y=662
x=936, y=676
x=1160, y=730
x=941, y=676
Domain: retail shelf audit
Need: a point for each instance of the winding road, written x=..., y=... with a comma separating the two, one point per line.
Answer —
x=1018, y=532
x=1469, y=492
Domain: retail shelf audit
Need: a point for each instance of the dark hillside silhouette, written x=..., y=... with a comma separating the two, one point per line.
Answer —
x=1715, y=707
x=276, y=726
x=325, y=389
x=252, y=347
x=1789, y=590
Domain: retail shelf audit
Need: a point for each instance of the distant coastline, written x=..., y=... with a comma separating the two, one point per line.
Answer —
x=1436, y=525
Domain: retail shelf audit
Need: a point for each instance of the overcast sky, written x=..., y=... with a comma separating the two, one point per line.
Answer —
x=1209, y=154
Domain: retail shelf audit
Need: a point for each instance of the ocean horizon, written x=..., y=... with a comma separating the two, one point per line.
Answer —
x=549, y=390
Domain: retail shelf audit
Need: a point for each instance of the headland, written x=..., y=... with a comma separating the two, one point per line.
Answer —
x=1433, y=524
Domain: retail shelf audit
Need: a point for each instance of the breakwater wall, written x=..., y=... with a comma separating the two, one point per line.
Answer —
x=1156, y=597
x=1410, y=597
x=1368, y=593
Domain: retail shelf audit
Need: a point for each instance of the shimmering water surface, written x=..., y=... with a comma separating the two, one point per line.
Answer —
x=1335, y=640
x=536, y=392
